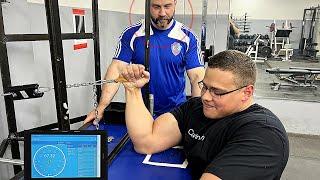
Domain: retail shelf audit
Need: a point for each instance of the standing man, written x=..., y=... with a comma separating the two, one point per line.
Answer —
x=174, y=50
x=225, y=135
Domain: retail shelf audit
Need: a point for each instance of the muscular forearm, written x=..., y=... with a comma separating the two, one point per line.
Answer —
x=110, y=89
x=235, y=29
x=108, y=92
x=195, y=90
x=138, y=120
x=195, y=75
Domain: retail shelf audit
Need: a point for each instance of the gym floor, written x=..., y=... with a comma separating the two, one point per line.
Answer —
x=304, y=160
x=304, y=157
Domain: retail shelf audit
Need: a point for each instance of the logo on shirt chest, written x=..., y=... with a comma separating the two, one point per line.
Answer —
x=176, y=48
x=195, y=136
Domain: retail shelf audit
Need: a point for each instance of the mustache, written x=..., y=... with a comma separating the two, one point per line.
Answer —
x=160, y=19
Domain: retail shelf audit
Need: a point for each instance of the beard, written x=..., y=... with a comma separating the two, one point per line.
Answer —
x=162, y=22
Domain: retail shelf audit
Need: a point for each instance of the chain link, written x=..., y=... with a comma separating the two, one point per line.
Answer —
x=75, y=85
x=95, y=96
x=96, y=83
x=8, y=94
x=95, y=105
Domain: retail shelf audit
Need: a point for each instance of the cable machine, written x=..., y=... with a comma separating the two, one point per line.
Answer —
x=308, y=44
x=207, y=52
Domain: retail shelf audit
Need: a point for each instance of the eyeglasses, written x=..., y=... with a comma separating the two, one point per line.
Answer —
x=214, y=92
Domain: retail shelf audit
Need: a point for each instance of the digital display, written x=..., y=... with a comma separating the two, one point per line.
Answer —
x=65, y=156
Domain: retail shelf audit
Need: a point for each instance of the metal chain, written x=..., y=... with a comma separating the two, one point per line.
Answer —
x=95, y=97
x=95, y=105
x=95, y=83
x=8, y=94
x=75, y=85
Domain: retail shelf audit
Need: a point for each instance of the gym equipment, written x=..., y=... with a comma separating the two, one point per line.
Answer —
x=12, y=161
x=253, y=48
x=296, y=76
x=244, y=25
x=241, y=36
x=206, y=53
x=286, y=48
x=308, y=45
x=264, y=36
x=265, y=51
x=55, y=38
x=253, y=44
x=204, y=25
x=280, y=36
x=24, y=92
x=95, y=104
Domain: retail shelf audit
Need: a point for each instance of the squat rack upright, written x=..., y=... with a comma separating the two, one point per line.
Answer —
x=55, y=38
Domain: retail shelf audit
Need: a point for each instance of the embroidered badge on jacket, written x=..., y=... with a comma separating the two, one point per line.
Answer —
x=176, y=48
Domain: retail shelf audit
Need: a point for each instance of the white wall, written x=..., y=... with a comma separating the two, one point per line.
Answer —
x=271, y=9
x=138, y=6
x=257, y=9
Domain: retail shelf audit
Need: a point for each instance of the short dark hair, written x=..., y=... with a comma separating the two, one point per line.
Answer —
x=240, y=64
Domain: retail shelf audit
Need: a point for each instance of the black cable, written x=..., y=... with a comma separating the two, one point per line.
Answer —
x=146, y=97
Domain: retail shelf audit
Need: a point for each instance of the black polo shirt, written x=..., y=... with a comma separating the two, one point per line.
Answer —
x=251, y=144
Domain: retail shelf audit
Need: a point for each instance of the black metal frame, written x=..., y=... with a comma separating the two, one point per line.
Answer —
x=206, y=53
x=45, y=37
x=55, y=38
x=96, y=50
x=118, y=148
x=25, y=92
x=6, y=83
x=57, y=61
x=309, y=40
x=204, y=25
x=146, y=96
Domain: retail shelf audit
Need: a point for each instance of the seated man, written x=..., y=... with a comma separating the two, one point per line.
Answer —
x=224, y=133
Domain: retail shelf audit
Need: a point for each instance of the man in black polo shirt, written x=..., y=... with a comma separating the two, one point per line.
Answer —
x=224, y=133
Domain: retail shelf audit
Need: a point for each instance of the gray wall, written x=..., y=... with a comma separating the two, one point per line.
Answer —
x=217, y=37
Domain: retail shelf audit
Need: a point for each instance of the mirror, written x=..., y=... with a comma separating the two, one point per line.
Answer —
x=284, y=39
